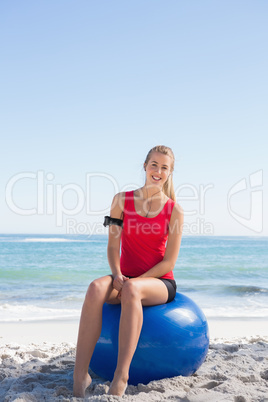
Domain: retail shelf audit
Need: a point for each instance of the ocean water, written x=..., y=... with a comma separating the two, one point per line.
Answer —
x=46, y=276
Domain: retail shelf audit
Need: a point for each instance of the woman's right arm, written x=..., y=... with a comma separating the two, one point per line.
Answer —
x=113, y=248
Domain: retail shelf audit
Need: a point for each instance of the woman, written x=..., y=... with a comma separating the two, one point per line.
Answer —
x=150, y=236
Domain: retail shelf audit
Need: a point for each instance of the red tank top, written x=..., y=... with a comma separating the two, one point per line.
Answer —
x=143, y=241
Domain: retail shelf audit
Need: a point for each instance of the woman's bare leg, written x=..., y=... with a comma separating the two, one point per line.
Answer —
x=135, y=293
x=98, y=293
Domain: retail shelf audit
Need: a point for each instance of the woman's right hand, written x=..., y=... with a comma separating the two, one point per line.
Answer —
x=119, y=282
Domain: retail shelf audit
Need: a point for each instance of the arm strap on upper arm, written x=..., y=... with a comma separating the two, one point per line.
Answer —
x=112, y=221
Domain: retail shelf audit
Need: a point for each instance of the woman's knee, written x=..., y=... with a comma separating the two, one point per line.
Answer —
x=97, y=290
x=130, y=291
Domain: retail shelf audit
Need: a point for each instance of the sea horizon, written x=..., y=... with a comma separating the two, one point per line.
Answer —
x=104, y=234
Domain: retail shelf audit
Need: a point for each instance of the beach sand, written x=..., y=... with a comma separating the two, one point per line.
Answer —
x=37, y=361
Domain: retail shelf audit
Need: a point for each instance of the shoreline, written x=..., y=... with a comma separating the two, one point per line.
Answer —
x=66, y=330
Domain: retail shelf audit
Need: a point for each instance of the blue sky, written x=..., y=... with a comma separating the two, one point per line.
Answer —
x=88, y=87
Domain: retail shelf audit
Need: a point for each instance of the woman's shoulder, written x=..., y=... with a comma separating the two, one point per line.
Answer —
x=121, y=196
x=117, y=206
x=119, y=199
x=177, y=210
x=176, y=220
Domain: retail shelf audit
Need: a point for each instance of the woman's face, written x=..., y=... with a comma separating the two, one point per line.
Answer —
x=158, y=169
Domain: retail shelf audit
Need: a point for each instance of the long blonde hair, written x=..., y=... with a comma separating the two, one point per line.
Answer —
x=168, y=187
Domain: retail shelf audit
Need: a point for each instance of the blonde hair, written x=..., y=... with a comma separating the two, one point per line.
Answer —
x=168, y=187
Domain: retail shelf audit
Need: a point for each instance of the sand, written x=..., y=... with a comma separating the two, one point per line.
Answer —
x=37, y=361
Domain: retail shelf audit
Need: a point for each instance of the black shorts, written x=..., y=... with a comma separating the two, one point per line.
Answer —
x=171, y=287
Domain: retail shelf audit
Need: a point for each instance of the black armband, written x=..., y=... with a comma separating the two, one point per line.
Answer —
x=112, y=221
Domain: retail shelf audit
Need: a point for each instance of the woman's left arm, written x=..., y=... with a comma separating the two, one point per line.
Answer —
x=173, y=245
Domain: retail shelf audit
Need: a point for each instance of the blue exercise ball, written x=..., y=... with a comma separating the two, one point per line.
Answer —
x=174, y=341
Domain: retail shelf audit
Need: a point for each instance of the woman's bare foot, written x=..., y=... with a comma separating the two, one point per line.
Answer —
x=118, y=386
x=80, y=386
